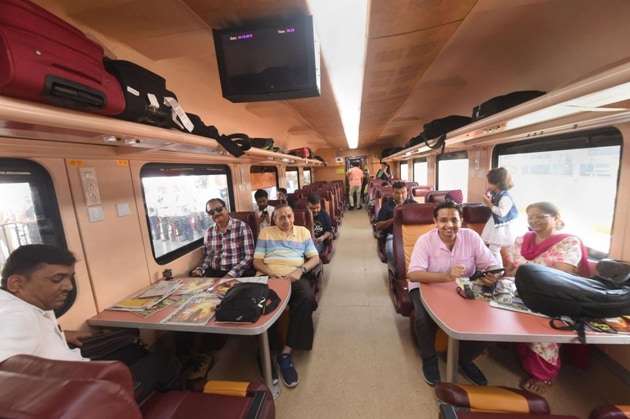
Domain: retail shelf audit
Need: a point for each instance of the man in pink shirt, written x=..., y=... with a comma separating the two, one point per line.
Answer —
x=443, y=255
x=355, y=180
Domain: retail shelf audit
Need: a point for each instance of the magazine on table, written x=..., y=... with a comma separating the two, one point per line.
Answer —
x=160, y=288
x=167, y=302
x=194, y=285
x=198, y=309
x=224, y=285
x=619, y=324
x=137, y=303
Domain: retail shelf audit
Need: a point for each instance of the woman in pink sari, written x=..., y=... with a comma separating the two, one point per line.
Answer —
x=544, y=245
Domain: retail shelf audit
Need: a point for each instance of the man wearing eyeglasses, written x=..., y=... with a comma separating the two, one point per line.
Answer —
x=228, y=244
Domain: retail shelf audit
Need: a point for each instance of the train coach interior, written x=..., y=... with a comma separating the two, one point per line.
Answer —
x=128, y=198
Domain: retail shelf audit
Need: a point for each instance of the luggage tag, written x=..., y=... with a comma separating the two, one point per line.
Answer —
x=179, y=116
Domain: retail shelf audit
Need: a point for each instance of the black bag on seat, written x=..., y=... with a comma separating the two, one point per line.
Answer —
x=246, y=302
x=105, y=343
x=501, y=103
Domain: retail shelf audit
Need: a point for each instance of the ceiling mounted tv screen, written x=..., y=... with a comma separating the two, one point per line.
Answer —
x=275, y=60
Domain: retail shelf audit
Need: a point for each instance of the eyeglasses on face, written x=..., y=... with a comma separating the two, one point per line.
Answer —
x=538, y=217
x=217, y=209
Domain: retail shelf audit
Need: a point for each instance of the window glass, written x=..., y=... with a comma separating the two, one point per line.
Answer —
x=174, y=197
x=420, y=171
x=308, y=178
x=29, y=213
x=563, y=171
x=452, y=172
x=264, y=177
x=404, y=171
x=293, y=179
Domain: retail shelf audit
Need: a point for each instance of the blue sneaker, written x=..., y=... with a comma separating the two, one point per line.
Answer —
x=289, y=374
x=431, y=370
x=473, y=373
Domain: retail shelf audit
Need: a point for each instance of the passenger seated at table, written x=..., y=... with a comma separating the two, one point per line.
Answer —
x=228, y=252
x=36, y=280
x=321, y=221
x=544, y=245
x=442, y=255
x=228, y=245
x=385, y=217
x=287, y=251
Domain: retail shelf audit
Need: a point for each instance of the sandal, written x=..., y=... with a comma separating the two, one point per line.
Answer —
x=536, y=386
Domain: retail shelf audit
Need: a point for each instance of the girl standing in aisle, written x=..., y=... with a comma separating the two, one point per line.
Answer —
x=498, y=231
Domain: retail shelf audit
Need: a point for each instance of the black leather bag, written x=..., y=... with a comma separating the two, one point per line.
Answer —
x=246, y=302
x=556, y=293
x=500, y=103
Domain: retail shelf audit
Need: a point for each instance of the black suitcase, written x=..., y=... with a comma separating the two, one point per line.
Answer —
x=501, y=103
x=145, y=94
x=441, y=126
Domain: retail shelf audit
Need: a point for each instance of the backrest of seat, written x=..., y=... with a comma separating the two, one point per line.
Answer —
x=440, y=196
x=410, y=222
x=250, y=218
x=418, y=192
x=63, y=389
x=275, y=202
x=475, y=215
x=304, y=218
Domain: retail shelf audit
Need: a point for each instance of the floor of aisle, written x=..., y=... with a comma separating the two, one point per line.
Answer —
x=364, y=363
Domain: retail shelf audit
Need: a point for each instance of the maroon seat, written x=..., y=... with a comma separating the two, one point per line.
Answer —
x=439, y=196
x=250, y=218
x=304, y=218
x=35, y=387
x=475, y=215
x=419, y=192
x=410, y=222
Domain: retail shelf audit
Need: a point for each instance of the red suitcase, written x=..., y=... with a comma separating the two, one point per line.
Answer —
x=303, y=152
x=44, y=59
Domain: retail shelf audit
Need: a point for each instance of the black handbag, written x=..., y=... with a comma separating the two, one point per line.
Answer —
x=246, y=302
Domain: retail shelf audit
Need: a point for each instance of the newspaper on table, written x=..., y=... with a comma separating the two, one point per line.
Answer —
x=194, y=285
x=147, y=297
x=198, y=309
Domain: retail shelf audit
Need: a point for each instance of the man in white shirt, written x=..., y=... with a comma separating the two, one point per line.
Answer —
x=36, y=280
x=264, y=210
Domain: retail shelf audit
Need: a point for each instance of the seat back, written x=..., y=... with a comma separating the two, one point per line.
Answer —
x=475, y=215
x=250, y=218
x=410, y=222
x=419, y=192
x=440, y=196
x=275, y=202
x=304, y=218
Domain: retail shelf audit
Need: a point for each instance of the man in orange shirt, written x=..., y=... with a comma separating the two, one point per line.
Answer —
x=355, y=180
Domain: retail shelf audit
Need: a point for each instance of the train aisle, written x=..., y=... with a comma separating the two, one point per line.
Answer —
x=364, y=364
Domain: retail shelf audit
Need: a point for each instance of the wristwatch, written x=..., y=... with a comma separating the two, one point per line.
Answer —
x=304, y=270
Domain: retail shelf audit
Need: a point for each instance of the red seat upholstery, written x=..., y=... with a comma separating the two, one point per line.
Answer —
x=304, y=218
x=481, y=402
x=611, y=412
x=410, y=222
x=439, y=196
x=419, y=192
x=35, y=387
x=475, y=216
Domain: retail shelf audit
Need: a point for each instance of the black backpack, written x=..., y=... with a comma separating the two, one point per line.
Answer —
x=556, y=293
x=246, y=302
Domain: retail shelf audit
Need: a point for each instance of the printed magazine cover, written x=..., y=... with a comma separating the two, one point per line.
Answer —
x=197, y=310
x=222, y=286
x=194, y=285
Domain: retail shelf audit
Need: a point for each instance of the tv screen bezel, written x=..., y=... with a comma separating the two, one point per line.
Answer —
x=313, y=57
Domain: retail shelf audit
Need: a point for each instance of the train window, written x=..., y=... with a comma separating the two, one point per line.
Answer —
x=293, y=179
x=308, y=176
x=174, y=198
x=452, y=172
x=29, y=213
x=264, y=177
x=569, y=171
x=404, y=171
x=420, y=171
